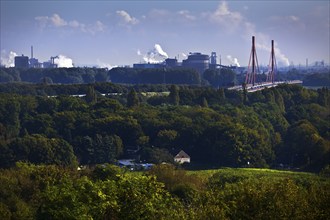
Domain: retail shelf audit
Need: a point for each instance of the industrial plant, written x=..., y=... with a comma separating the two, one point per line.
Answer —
x=198, y=61
x=157, y=58
x=26, y=62
x=195, y=60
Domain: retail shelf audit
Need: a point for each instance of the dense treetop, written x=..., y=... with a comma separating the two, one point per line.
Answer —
x=283, y=126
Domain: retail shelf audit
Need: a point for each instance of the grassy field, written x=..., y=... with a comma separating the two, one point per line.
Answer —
x=246, y=173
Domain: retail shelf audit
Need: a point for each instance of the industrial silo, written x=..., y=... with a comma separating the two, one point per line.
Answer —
x=197, y=61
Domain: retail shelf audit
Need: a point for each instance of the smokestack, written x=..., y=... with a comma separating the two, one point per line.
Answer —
x=306, y=62
x=31, y=52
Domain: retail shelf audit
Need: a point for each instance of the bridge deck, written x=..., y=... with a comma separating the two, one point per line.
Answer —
x=261, y=86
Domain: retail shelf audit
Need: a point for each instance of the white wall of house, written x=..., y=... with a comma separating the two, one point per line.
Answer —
x=182, y=160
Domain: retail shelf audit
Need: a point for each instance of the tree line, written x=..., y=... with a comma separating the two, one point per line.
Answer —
x=91, y=75
x=224, y=77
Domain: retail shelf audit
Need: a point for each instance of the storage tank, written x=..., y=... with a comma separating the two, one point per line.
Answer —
x=197, y=61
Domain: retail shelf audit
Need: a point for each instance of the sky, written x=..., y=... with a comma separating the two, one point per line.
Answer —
x=118, y=33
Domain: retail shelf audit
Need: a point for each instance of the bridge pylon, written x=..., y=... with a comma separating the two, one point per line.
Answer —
x=253, y=67
x=272, y=67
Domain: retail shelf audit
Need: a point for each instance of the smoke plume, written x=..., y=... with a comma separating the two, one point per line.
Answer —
x=63, y=61
x=7, y=60
x=280, y=57
x=155, y=55
x=233, y=61
x=101, y=64
x=184, y=55
x=160, y=51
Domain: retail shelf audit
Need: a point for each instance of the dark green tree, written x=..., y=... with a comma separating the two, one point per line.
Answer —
x=174, y=97
x=304, y=146
x=245, y=95
x=107, y=148
x=91, y=95
x=156, y=155
x=38, y=149
x=132, y=99
x=204, y=103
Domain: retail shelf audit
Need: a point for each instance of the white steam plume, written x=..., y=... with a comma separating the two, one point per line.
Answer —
x=233, y=60
x=160, y=51
x=63, y=61
x=7, y=60
x=155, y=55
x=280, y=57
x=101, y=64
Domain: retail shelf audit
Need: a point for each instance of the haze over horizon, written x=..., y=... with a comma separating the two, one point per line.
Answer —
x=111, y=33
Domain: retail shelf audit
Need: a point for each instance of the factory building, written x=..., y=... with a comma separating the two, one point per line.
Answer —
x=49, y=64
x=197, y=61
x=147, y=65
x=25, y=62
x=22, y=61
x=213, y=58
x=171, y=62
x=213, y=63
x=33, y=62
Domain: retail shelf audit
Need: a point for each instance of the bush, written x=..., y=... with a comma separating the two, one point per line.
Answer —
x=106, y=172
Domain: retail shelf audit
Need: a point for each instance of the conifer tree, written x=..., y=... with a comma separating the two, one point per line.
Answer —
x=174, y=95
x=132, y=99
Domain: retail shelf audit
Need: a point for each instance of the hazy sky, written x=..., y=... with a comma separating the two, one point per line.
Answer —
x=109, y=33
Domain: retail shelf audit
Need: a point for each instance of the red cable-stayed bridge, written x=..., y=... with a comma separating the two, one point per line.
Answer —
x=251, y=84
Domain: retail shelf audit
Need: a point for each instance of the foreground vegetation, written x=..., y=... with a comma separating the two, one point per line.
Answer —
x=108, y=192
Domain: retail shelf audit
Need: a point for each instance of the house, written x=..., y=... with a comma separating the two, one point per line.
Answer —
x=182, y=157
x=132, y=165
x=128, y=163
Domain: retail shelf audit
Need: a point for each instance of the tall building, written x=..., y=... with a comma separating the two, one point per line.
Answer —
x=22, y=61
x=213, y=63
x=213, y=58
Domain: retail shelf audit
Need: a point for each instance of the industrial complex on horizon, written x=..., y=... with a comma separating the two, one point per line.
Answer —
x=195, y=60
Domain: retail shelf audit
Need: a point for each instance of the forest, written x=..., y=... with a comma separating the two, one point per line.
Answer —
x=46, y=133
x=284, y=126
